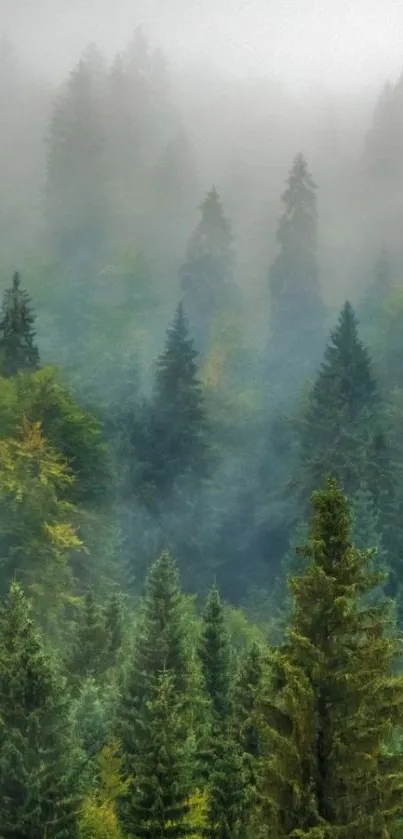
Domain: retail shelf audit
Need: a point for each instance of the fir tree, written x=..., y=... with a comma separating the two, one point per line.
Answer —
x=341, y=433
x=297, y=309
x=113, y=630
x=175, y=435
x=215, y=657
x=206, y=276
x=222, y=760
x=157, y=805
x=336, y=699
x=18, y=350
x=90, y=642
x=156, y=684
x=37, y=794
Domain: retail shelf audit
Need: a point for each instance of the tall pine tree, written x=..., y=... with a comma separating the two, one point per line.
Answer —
x=223, y=762
x=206, y=275
x=151, y=719
x=18, y=350
x=335, y=699
x=37, y=794
x=342, y=433
x=297, y=309
x=172, y=442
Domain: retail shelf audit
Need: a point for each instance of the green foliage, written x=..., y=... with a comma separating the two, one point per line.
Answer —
x=173, y=444
x=18, y=350
x=151, y=719
x=297, y=309
x=38, y=535
x=206, y=275
x=341, y=433
x=214, y=653
x=335, y=698
x=37, y=791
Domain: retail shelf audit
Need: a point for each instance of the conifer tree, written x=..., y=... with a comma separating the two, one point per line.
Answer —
x=18, y=350
x=215, y=657
x=154, y=699
x=297, y=309
x=222, y=761
x=37, y=793
x=336, y=699
x=90, y=642
x=175, y=443
x=206, y=276
x=341, y=433
x=113, y=630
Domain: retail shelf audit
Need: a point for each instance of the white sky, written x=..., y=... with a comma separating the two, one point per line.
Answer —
x=335, y=43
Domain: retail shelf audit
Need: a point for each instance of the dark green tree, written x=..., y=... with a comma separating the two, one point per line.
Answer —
x=214, y=652
x=172, y=442
x=155, y=694
x=114, y=630
x=222, y=758
x=342, y=433
x=206, y=276
x=90, y=642
x=18, y=350
x=297, y=309
x=157, y=806
x=37, y=793
x=335, y=699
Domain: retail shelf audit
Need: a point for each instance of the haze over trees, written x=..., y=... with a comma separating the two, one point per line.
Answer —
x=201, y=458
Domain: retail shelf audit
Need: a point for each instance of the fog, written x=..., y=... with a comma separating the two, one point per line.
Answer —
x=344, y=46
x=117, y=120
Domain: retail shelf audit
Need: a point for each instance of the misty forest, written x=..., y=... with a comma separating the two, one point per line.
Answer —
x=201, y=455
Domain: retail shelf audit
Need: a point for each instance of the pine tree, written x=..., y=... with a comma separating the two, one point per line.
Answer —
x=158, y=801
x=75, y=188
x=222, y=761
x=154, y=698
x=91, y=639
x=37, y=793
x=297, y=309
x=113, y=630
x=336, y=699
x=18, y=350
x=206, y=276
x=341, y=433
x=214, y=653
x=175, y=435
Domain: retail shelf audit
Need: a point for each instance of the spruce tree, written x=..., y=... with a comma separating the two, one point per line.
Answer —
x=173, y=442
x=154, y=698
x=18, y=350
x=222, y=761
x=90, y=642
x=214, y=654
x=336, y=698
x=342, y=433
x=37, y=794
x=206, y=275
x=297, y=309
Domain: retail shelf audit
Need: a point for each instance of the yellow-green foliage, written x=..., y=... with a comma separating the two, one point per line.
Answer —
x=38, y=533
x=198, y=815
x=98, y=814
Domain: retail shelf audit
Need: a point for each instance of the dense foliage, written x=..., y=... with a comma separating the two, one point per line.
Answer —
x=201, y=538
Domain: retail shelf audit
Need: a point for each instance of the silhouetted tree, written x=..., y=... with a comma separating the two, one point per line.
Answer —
x=18, y=350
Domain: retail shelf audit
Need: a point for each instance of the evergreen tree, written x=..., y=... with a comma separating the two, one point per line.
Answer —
x=341, y=432
x=75, y=187
x=90, y=641
x=222, y=760
x=18, y=350
x=206, y=276
x=157, y=805
x=37, y=794
x=154, y=697
x=215, y=657
x=175, y=434
x=335, y=700
x=113, y=630
x=297, y=309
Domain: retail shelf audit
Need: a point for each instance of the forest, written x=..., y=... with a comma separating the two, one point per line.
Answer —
x=201, y=456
